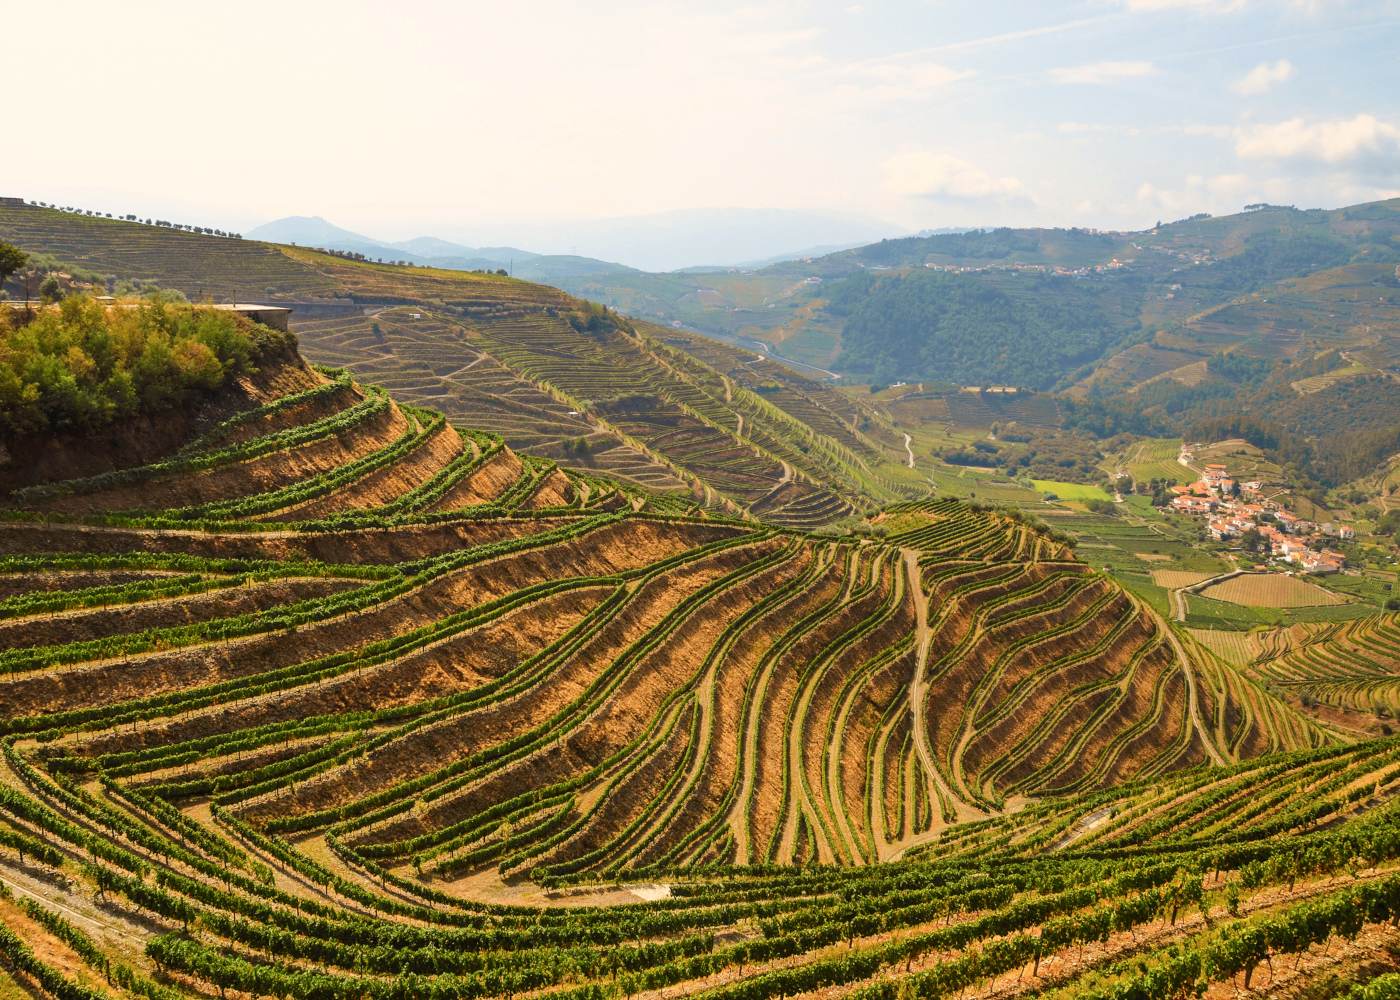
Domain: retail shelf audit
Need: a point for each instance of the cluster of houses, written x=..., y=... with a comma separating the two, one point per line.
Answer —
x=1232, y=508
x=1017, y=267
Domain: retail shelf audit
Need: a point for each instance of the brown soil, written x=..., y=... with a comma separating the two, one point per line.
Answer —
x=554, y=490
x=144, y=439
x=94, y=623
x=494, y=477
x=379, y=546
x=606, y=550
x=12, y=584
x=258, y=475
x=460, y=663
x=587, y=744
x=385, y=484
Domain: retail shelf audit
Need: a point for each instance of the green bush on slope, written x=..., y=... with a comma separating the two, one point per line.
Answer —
x=85, y=364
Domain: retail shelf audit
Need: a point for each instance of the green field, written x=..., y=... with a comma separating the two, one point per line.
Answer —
x=1071, y=491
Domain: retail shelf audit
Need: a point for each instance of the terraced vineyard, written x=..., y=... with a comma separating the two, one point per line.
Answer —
x=1352, y=665
x=557, y=378
x=337, y=698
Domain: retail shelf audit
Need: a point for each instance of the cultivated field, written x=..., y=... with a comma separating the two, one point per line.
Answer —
x=1174, y=579
x=1272, y=590
x=1071, y=491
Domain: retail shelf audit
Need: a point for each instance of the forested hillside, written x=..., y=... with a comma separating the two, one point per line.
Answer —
x=949, y=327
x=1289, y=317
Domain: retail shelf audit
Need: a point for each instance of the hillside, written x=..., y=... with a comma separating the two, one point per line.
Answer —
x=1149, y=284
x=558, y=378
x=332, y=681
x=1290, y=317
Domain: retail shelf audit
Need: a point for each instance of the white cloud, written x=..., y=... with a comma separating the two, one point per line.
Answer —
x=1199, y=193
x=1190, y=128
x=897, y=80
x=926, y=174
x=1263, y=78
x=1212, y=131
x=1226, y=6
x=1228, y=192
x=1341, y=141
x=1207, y=6
x=1103, y=72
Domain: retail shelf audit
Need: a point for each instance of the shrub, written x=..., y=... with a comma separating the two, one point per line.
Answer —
x=83, y=365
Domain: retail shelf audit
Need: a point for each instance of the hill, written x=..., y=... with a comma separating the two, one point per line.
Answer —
x=315, y=232
x=1292, y=317
x=328, y=696
x=559, y=378
x=1147, y=284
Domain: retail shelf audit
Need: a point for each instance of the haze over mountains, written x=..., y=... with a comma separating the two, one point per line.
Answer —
x=666, y=241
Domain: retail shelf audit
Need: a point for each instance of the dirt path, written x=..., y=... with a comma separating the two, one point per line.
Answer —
x=1178, y=595
x=908, y=441
x=1178, y=603
x=918, y=695
x=1193, y=701
x=79, y=909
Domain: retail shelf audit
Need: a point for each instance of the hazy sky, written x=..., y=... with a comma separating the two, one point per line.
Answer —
x=462, y=119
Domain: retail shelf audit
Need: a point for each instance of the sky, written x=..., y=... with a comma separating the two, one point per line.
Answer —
x=487, y=121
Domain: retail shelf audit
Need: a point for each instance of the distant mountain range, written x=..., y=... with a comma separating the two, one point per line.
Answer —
x=699, y=240
x=314, y=231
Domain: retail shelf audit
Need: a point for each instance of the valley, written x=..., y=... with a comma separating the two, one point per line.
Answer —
x=518, y=646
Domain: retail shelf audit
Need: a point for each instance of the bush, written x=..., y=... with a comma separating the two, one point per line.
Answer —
x=83, y=365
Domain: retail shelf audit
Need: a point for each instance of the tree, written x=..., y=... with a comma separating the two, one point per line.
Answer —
x=12, y=258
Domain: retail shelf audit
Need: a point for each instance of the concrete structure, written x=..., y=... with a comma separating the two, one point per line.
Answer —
x=11, y=202
x=276, y=317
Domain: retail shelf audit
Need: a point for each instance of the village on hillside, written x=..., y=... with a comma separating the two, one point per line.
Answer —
x=1254, y=514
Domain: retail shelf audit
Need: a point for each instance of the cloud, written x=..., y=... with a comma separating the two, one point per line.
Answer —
x=1206, y=6
x=1190, y=128
x=926, y=174
x=1197, y=193
x=770, y=42
x=1359, y=140
x=1263, y=78
x=1225, y=6
x=1103, y=72
x=1227, y=192
x=897, y=80
x=1084, y=128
